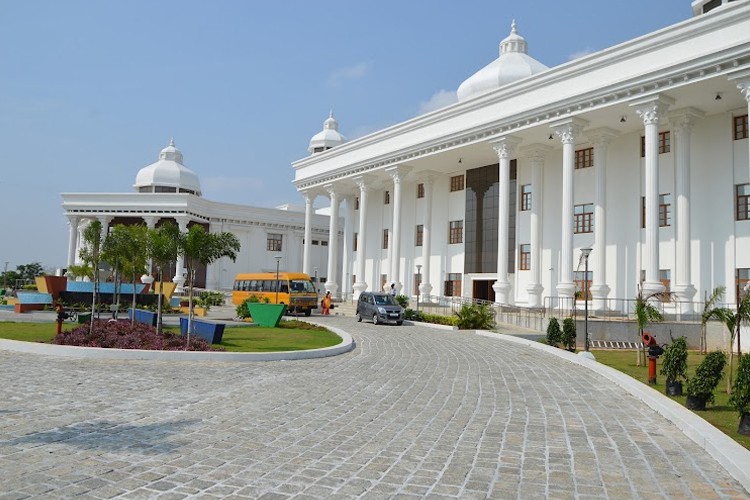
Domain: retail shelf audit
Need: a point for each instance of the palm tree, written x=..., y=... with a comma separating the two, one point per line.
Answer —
x=162, y=246
x=709, y=311
x=645, y=313
x=125, y=249
x=733, y=320
x=90, y=254
x=198, y=246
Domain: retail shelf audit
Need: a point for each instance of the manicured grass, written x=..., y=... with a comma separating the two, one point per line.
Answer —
x=29, y=332
x=291, y=336
x=721, y=414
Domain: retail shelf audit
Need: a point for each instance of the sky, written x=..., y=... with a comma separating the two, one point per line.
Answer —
x=92, y=90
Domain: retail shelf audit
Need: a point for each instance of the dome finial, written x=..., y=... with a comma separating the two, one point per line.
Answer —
x=171, y=142
x=330, y=113
x=513, y=27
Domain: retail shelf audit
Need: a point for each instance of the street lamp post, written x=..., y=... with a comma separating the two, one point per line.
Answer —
x=278, y=259
x=585, y=253
x=419, y=278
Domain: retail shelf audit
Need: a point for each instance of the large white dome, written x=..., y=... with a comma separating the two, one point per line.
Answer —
x=327, y=138
x=168, y=175
x=513, y=64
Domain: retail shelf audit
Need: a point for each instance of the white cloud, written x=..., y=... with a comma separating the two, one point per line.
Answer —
x=439, y=99
x=581, y=53
x=354, y=72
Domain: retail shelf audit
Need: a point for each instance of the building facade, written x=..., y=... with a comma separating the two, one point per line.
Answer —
x=639, y=152
x=168, y=191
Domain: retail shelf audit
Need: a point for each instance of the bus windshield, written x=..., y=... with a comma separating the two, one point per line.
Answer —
x=302, y=286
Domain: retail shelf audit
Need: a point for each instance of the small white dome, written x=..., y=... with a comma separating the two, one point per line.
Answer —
x=168, y=175
x=327, y=138
x=513, y=64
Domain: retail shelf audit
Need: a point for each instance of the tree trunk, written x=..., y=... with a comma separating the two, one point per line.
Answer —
x=158, y=301
x=132, y=303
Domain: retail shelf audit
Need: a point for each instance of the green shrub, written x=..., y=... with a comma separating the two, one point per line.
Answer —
x=554, y=334
x=674, y=360
x=475, y=317
x=242, y=311
x=402, y=300
x=707, y=376
x=569, y=334
x=412, y=315
x=740, y=398
x=438, y=319
x=209, y=298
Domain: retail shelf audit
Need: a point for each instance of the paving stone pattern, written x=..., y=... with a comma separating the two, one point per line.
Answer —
x=412, y=412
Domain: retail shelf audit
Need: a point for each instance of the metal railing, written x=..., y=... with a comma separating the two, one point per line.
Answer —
x=614, y=308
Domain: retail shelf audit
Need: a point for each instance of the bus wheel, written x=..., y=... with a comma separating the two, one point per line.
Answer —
x=308, y=312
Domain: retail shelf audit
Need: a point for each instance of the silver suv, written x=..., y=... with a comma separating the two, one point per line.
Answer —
x=380, y=308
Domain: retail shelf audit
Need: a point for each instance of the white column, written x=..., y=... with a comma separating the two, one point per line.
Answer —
x=536, y=154
x=179, y=278
x=567, y=130
x=309, y=199
x=346, y=260
x=150, y=225
x=651, y=110
x=331, y=284
x=398, y=174
x=505, y=149
x=361, y=285
x=72, y=238
x=682, y=122
x=212, y=276
x=425, y=287
x=600, y=138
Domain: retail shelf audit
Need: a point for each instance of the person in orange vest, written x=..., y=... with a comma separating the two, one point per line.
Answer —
x=327, y=303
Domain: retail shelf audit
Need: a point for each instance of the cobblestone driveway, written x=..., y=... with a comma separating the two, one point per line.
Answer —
x=411, y=412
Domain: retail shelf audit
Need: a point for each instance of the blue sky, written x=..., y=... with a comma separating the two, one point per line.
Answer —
x=91, y=91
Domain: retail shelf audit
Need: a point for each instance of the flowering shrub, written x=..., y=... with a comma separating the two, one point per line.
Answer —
x=123, y=335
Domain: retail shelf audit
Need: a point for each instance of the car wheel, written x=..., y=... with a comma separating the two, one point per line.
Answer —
x=399, y=323
x=359, y=317
x=375, y=319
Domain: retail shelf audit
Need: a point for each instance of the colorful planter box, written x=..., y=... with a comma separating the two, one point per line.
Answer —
x=212, y=332
x=143, y=316
x=266, y=314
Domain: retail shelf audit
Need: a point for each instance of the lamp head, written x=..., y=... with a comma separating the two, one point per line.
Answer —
x=585, y=252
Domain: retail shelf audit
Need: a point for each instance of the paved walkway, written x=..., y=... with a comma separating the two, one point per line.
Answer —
x=411, y=412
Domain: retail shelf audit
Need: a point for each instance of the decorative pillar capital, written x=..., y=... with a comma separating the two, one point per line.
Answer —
x=505, y=146
x=398, y=173
x=682, y=120
x=742, y=80
x=601, y=137
x=652, y=108
x=182, y=223
x=363, y=182
x=569, y=129
x=73, y=220
x=332, y=191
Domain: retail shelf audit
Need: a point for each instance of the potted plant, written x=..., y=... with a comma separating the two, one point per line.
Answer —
x=264, y=313
x=674, y=365
x=554, y=334
x=569, y=334
x=740, y=398
x=700, y=387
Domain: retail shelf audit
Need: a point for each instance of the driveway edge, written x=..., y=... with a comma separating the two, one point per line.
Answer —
x=730, y=455
x=346, y=345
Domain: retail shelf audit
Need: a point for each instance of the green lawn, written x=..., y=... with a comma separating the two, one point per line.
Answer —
x=291, y=336
x=721, y=414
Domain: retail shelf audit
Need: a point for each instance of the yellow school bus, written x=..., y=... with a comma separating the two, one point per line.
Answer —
x=296, y=290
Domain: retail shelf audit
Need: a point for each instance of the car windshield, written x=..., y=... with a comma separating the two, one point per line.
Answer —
x=384, y=300
x=302, y=286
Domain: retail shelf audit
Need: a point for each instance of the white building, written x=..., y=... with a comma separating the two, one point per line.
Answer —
x=169, y=191
x=639, y=151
